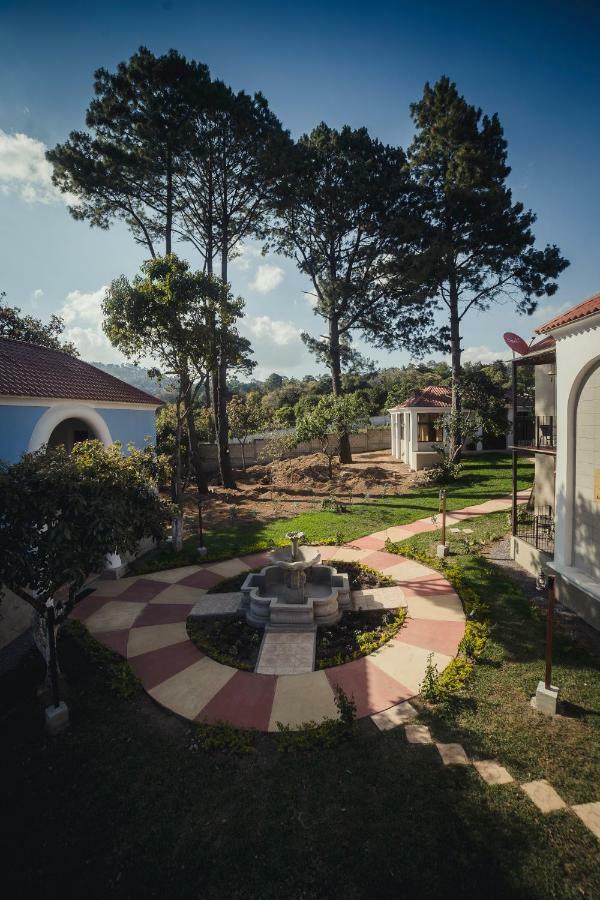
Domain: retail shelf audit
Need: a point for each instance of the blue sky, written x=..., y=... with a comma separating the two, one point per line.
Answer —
x=536, y=64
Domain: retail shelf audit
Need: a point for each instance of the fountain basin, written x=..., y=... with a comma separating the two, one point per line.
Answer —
x=270, y=602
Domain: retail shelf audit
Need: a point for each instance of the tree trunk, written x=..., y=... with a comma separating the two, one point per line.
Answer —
x=243, y=456
x=177, y=521
x=196, y=456
x=455, y=353
x=336, y=383
x=169, y=206
x=222, y=423
x=221, y=417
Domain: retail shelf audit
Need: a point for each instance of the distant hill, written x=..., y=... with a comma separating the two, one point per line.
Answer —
x=139, y=378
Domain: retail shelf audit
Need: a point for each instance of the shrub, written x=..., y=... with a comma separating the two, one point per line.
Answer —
x=427, y=688
x=474, y=640
x=444, y=472
x=221, y=737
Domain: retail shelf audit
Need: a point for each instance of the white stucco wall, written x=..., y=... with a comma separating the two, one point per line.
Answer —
x=577, y=458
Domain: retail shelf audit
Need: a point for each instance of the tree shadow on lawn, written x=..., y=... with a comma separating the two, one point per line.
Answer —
x=119, y=809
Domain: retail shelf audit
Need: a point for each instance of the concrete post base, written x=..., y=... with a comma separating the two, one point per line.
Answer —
x=545, y=699
x=442, y=550
x=57, y=718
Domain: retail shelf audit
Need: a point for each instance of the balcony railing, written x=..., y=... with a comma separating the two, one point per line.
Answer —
x=538, y=432
x=537, y=529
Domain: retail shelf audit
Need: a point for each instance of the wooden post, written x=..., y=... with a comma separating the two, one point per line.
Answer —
x=550, y=630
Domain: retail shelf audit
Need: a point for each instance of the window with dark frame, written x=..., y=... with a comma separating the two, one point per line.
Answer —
x=427, y=430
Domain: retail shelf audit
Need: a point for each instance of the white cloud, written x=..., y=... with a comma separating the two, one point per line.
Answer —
x=37, y=294
x=275, y=330
x=247, y=254
x=483, y=354
x=267, y=278
x=82, y=315
x=24, y=170
x=80, y=306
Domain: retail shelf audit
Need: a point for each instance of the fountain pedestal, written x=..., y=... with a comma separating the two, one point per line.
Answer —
x=296, y=592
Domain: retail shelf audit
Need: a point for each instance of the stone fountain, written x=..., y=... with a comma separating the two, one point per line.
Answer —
x=297, y=591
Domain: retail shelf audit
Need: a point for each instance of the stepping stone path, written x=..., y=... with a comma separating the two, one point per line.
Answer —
x=544, y=796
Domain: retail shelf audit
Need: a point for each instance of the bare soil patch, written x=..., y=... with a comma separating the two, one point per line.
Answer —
x=284, y=488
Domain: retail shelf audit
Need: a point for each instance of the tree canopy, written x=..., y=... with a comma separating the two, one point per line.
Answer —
x=62, y=513
x=19, y=327
x=335, y=209
x=477, y=246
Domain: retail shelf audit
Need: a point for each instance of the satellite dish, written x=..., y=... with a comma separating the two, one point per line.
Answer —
x=516, y=343
x=544, y=344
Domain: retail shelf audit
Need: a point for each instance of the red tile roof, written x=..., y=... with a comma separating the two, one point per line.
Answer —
x=432, y=397
x=587, y=308
x=27, y=370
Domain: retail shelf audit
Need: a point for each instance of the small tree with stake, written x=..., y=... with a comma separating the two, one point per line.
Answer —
x=246, y=415
x=62, y=514
x=331, y=420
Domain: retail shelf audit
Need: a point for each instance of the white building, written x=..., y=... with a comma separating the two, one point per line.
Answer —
x=561, y=528
x=414, y=425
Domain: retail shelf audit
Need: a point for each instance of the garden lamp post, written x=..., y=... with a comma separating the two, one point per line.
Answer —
x=443, y=549
x=546, y=695
x=57, y=714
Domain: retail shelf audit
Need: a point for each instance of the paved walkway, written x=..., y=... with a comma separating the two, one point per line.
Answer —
x=144, y=620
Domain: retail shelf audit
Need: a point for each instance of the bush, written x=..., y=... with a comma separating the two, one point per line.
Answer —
x=474, y=640
x=223, y=738
x=444, y=472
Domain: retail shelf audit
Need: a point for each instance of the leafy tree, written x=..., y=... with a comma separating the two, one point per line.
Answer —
x=127, y=165
x=176, y=155
x=330, y=420
x=274, y=382
x=26, y=328
x=245, y=417
x=171, y=314
x=63, y=513
x=477, y=245
x=335, y=212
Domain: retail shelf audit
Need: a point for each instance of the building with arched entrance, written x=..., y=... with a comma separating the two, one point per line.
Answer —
x=49, y=398
x=560, y=529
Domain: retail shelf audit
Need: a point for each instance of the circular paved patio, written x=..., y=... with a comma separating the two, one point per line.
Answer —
x=144, y=620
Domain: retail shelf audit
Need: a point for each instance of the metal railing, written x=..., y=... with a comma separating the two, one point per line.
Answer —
x=536, y=431
x=537, y=529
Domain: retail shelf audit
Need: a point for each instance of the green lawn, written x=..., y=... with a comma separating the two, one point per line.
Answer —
x=483, y=478
x=492, y=717
x=123, y=807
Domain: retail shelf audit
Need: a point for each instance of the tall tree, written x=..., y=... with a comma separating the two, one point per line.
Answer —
x=477, y=245
x=334, y=215
x=127, y=165
x=232, y=167
x=26, y=328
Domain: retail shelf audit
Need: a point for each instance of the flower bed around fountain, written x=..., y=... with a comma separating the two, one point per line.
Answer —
x=232, y=641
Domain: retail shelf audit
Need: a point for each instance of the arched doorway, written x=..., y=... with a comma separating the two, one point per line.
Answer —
x=586, y=493
x=59, y=424
x=70, y=432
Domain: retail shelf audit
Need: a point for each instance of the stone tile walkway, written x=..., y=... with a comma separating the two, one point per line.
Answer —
x=144, y=619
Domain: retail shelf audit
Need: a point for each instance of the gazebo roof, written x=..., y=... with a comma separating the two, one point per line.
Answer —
x=28, y=370
x=430, y=397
